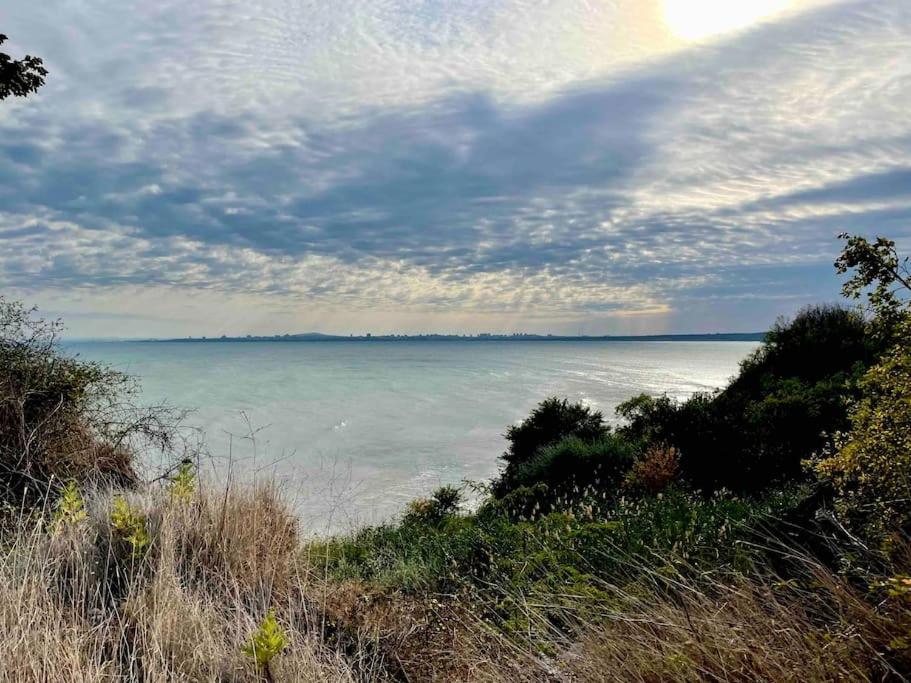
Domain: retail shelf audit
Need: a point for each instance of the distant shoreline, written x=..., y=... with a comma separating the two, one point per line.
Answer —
x=721, y=336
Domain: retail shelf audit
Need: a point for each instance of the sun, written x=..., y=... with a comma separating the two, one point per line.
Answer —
x=694, y=20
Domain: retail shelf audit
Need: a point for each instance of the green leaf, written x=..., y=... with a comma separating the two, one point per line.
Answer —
x=269, y=640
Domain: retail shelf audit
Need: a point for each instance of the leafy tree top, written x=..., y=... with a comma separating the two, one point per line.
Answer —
x=879, y=271
x=20, y=77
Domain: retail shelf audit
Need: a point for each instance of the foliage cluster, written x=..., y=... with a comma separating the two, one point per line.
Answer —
x=879, y=272
x=789, y=396
x=870, y=465
x=20, y=77
x=656, y=470
x=551, y=421
x=63, y=418
x=577, y=503
x=183, y=483
x=130, y=527
x=442, y=504
x=573, y=461
x=575, y=540
x=70, y=508
x=268, y=642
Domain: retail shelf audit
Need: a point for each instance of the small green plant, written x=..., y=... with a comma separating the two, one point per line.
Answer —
x=130, y=525
x=70, y=509
x=443, y=503
x=183, y=483
x=447, y=499
x=268, y=641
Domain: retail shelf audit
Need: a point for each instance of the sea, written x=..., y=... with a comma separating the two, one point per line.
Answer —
x=352, y=431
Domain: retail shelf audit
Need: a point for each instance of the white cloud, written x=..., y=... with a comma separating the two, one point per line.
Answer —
x=546, y=162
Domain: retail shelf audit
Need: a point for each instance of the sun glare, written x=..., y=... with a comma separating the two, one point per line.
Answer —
x=698, y=19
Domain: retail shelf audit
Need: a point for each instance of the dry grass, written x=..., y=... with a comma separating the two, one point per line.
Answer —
x=75, y=606
x=81, y=609
x=745, y=632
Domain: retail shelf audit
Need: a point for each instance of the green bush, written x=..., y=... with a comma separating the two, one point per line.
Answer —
x=576, y=462
x=443, y=503
x=522, y=502
x=130, y=528
x=870, y=466
x=498, y=549
x=267, y=643
x=789, y=395
x=551, y=421
x=183, y=482
x=70, y=508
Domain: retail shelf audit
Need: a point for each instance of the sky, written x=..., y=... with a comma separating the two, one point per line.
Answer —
x=350, y=166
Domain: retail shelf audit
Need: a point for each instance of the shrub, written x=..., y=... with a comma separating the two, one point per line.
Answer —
x=447, y=500
x=522, y=502
x=870, y=466
x=183, y=483
x=62, y=418
x=819, y=342
x=576, y=462
x=552, y=420
x=443, y=503
x=130, y=527
x=657, y=469
x=789, y=394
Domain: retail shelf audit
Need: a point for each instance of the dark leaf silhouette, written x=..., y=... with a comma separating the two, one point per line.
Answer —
x=19, y=77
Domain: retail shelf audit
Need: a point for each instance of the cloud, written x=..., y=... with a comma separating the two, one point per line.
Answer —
x=313, y=153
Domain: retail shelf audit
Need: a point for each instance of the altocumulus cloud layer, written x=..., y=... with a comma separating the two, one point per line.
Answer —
x=277, y=165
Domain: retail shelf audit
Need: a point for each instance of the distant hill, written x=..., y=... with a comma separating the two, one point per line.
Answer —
x=319, y=337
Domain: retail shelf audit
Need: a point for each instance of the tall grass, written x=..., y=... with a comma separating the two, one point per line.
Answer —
x=78, y=604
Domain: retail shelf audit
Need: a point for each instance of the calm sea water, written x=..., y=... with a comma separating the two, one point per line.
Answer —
x=357, y=429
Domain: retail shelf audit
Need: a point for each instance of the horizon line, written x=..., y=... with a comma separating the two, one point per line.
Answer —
x=431, y=336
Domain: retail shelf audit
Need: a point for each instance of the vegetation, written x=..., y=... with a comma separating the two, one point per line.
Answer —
x=63, y=419
x=554, y=419
x=790, y=394
x=20, y=77
x=870, y=465
x=70, y=508
x=268, y=641
x=756, y=533
x=878, y=271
